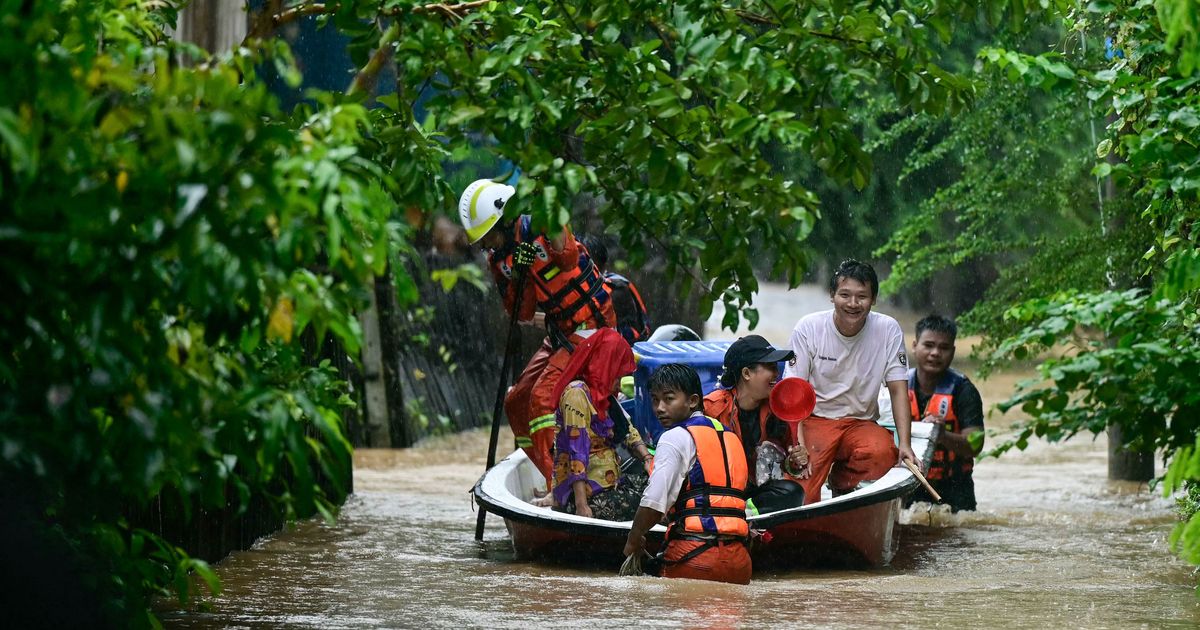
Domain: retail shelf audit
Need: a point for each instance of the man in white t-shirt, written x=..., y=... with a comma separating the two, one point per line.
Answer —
x=846, y=353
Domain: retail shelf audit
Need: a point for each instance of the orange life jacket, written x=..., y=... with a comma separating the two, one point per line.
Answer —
x=721, y=404
x=633, y=322
x=566, y=285
x=940, y=404
x=712, y=499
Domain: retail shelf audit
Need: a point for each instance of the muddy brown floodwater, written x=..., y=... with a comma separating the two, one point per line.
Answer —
x=1053, y=545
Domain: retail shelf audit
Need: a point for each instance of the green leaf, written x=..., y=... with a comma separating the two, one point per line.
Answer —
x=464, y=114
x=14, y=141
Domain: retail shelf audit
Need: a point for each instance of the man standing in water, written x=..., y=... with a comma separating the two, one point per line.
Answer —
x=943, y=396
x=845, y=353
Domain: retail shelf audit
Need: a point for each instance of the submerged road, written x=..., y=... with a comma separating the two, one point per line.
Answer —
x=1053, y=545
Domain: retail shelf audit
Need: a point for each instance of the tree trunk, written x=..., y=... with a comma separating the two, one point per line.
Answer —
x=1126, y=465
x=375, y=396
x=390, y=340
x=214, y=25
x=1123, y=464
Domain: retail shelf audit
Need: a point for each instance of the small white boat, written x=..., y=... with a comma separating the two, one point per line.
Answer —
x=855, y=529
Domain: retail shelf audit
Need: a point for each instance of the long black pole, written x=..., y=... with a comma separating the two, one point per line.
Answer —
x=509, y=348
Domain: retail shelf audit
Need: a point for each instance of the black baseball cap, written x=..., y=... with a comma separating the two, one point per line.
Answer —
x=751, y=350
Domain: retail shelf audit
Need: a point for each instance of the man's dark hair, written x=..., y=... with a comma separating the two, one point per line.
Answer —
x=939, y=324
x=677, y=376
x=596, y=249
x=855, y=270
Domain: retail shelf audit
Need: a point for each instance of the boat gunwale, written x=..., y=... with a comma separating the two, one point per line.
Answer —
x=555, y=520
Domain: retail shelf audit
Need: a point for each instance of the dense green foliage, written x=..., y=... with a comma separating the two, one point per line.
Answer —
x=1075, y=253
x=1141, y=376
x=1021, y=204
x=168, y=237
x=171, y=236
x=669, y=112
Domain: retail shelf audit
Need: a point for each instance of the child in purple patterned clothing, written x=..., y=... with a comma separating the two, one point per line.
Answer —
x=587, y=476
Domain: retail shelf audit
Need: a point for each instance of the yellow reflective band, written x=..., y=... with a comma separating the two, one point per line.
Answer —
x=542, y=422
x=477, y=232
x=475, y=199
x=627, y=386
x=524, y=442
x=549, y=274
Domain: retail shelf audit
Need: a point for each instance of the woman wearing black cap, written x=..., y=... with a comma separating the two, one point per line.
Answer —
x=751, y=368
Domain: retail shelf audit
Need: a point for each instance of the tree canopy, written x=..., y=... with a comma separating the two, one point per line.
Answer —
x=1107, y=267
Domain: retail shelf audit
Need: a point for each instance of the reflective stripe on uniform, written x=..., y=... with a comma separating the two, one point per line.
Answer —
x=541, y=422
x=524, y=442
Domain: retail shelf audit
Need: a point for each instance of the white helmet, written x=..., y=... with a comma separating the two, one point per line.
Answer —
x=481, y=206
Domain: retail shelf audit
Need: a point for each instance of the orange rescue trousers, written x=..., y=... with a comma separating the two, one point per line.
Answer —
x=847, y=451
x=725, y=561
x=530, y=407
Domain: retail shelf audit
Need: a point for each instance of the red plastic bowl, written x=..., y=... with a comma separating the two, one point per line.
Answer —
x=793, y=398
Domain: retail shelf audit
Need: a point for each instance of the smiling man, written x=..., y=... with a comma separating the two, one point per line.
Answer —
x=846, y=353
x=943, y=396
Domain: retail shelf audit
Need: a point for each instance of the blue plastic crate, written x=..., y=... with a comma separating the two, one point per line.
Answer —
x=705, y=356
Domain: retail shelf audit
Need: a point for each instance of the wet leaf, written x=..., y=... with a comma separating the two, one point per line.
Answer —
x=281, y=322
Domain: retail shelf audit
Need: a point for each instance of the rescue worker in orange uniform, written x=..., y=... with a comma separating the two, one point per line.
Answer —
x=750, y=370
x=562, y=285
x=699, y=482
x=943, y=396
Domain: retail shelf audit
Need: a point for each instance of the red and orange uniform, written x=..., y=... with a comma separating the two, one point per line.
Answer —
x=566, y=286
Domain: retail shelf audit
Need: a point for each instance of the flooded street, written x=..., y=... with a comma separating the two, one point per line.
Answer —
x=1054, y=544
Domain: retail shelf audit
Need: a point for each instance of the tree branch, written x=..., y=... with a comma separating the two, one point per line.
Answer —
x=271, y=18
x=262, y=21
x=662, y=35
x=584, y=41
x=365, y=80
x=755, y=18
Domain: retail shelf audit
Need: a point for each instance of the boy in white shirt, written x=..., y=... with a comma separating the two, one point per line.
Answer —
x=846, y=353
x=699, y=482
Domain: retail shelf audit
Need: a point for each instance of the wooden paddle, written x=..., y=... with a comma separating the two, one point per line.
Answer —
x=925, y=482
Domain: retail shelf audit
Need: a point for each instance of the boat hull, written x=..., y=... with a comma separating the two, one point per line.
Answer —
x=853, y=530
x=860, y=537
x=864, y=537
x=533, y=541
